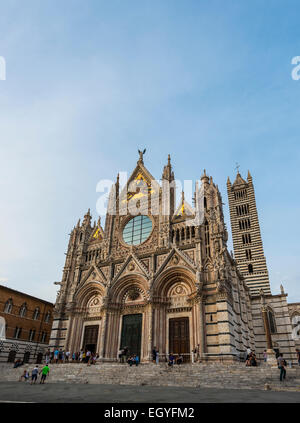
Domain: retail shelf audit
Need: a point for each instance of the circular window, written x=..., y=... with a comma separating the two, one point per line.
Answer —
x=137, y=230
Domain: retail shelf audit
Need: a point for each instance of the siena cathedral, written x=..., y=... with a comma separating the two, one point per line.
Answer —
x=160, y=276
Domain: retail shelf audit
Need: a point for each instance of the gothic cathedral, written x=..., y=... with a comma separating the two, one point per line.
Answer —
x=157, y=275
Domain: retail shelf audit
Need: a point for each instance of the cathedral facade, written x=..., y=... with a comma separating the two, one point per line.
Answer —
x=158, y=276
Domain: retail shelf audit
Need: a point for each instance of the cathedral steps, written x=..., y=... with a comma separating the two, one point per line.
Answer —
x=233, y=376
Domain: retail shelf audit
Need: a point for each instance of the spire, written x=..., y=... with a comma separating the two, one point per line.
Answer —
x=167, y=172
x=249, y=177
x=87, y=218
x=204, y=177
x=228, y=181
x=117, y=185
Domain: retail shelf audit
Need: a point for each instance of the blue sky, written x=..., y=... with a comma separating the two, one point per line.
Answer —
x=90, y=82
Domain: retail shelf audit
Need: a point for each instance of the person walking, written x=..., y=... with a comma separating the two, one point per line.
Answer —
x=47, y=357
x=34, y=374
x=157, y=357
x=25, y=375
x=281, y=365
x=45, y=371
x=265, y=356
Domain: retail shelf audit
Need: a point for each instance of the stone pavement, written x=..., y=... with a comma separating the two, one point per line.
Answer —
x=216, y=375
x=68, y=393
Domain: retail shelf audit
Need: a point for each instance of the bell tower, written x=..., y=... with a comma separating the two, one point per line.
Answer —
x=247, y=241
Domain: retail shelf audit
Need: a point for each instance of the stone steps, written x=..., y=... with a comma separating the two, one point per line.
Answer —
x=235, y=376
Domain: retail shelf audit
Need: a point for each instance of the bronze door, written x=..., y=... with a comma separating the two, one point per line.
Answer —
x=90, y=338
x=132, y=333
x=179, y=337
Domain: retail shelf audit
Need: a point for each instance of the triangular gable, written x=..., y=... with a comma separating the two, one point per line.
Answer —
x=141, y=176
x=239, y=180
x=99, y=276
x=137, y=266
x=97, y=234
x=184, y=209
x=182, y=257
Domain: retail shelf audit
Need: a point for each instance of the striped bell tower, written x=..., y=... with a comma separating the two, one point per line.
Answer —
x=247, y=241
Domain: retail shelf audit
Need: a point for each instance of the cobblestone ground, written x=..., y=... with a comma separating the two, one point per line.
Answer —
x=79, y=393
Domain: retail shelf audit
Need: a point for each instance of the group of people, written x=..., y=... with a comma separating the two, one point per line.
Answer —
x=251, y=359
x=34, y=374
x=172, y=359
x=133, y=359
x=125, y=356
x=60, y=356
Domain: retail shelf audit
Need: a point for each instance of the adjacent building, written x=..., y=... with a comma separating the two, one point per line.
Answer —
x=26, y=323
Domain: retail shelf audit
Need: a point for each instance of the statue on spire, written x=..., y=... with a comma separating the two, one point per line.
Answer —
x=141, y=153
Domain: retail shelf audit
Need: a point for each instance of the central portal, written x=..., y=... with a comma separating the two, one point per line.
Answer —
x=90, y=338
x=179, y=337
x=132, y=333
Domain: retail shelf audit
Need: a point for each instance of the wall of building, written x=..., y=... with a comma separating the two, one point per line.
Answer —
x=282, y=338
x=23, y=340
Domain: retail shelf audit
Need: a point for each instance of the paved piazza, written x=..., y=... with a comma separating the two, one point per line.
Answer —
x=78, y=393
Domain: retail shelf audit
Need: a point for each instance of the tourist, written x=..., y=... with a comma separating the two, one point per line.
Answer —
x=281, y=365
x=198, y=352
x=179, y=359
x=126, y=352
x=154, y=355
x=81, y=355
x=88, y=356
x=51, y=356
x=265, y=356
x=56, y=356
x=121, y=355
x=67, y=356
x=34, y=375
x=73, y=357
x=18, y=363
x=298, y=356
x=45, y=371
x=130, y=360
x=25, y=375
x=248, y=361
x=157, y=357
x=47, y=357
x=95, y=358
x=171, y=360
x=253, y=361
